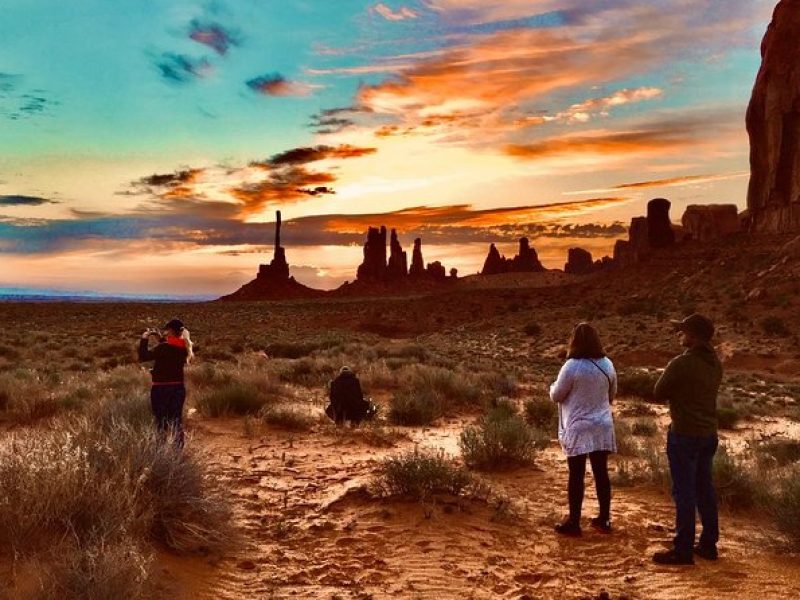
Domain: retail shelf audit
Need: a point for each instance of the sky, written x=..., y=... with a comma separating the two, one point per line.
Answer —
x=145, y=145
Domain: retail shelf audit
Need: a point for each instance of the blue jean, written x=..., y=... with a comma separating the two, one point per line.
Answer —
x=166, y=402
x=691, y=459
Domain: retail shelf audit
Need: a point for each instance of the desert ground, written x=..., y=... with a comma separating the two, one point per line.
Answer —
x=451, y=492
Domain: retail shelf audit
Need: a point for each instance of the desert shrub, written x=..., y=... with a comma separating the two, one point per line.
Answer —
x=120, y=570
x=291, y=349
x=408, y=407
x=9, y=353
x=501, y=440
x=780, y=451
x=25, y=398
x=637, y=382
x=287, y=417
x=785, y=506
x=728, y=417
x=421, y=475
x=414, y=352
x=234, y=398
x=774, y=326
x=649, y=467
x=307, y=371
x=495, y=385
x=542, y=413
x=736, y=483
x=644, y=427
x=626, y=442
x=451, y=386
x=532, y=329
x=99, y=482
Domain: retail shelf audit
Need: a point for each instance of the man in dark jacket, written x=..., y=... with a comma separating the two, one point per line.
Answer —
x=168, y=392
x=347, y=399
x=690, y=384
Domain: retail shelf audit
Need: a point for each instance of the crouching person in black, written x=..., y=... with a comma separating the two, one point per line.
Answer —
x=347, y=399
x=168, y=393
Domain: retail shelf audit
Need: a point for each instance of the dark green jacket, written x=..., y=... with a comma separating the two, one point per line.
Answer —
x=690, y=383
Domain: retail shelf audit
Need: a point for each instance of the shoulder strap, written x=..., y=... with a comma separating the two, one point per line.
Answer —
x=599, y=368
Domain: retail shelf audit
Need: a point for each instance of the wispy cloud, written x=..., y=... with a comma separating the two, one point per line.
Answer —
x=403, y=13
x=181, y=68
x=276, y=84
x=213, y=35
x=667, y=182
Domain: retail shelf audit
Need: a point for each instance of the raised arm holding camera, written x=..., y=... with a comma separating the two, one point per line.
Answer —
x=170, y=355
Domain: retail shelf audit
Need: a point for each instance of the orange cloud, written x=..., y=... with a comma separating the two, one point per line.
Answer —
x=463, y=215
x=401, y=14
x=633, y=142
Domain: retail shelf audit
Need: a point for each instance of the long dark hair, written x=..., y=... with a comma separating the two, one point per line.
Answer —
x=585, y=343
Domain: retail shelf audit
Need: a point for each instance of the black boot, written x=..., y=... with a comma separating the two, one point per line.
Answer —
x=602, y=525
x=706, y=552
x=569, y=527
x=670, y=557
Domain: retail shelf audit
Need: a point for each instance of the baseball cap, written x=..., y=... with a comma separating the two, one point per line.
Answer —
x=175, y=325
x=696, y=324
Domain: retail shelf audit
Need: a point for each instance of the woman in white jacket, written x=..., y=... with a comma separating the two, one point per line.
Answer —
x=584, y=391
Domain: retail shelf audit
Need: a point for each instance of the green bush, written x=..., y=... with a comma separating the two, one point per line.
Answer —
x=542, y=413
x=626, y=442
x=414, y=408
x=234, y=398
x=782, y=451
x=637, y=382
x=774, y=326
x=728, y=417
x=644, y=427
x=287, y=417
x=785, y=506
x=421, y=475
x=501, y=440
x=736, y=483
x=532, y=329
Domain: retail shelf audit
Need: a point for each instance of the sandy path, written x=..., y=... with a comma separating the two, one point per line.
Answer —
x=312, y=533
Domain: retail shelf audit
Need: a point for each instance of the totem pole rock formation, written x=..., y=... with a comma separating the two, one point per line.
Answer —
x=710, y=221
x=526, y=260
x=773, y=123
x=374, y=266
x=273, y=281
x=417, y=265
x=398, y=260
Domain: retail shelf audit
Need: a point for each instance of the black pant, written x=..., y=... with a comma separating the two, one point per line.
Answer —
x=166, y=402
x=577, y=473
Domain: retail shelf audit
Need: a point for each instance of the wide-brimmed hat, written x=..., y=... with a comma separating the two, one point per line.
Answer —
x=697, y=325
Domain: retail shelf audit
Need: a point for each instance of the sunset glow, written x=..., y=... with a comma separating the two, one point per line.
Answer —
x=145, y=147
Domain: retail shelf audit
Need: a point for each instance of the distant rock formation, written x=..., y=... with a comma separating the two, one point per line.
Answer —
x=273, y=281
x=579, y=262
x=526, y=260
x=398, y=259
x=417, y=265
x=707, y=222
x=773, y=123
x=375, y=275
x=374, y=266
x=659, y=228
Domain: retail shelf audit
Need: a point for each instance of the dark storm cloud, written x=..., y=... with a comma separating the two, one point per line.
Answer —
x=20, y=200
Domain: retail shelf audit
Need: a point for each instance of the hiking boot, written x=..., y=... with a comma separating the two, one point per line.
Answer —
x=601, y=525
x=670, y=557
x=569, y=527
x=706, y=552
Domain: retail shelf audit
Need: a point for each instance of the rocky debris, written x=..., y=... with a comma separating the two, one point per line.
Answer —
x=710, y=221
x=773, y=123
x=374, y=266
x=398, y=259
x=526, y=260
x=659, y=228
x=579, y=262
x=417, y=265
x=273, y=281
